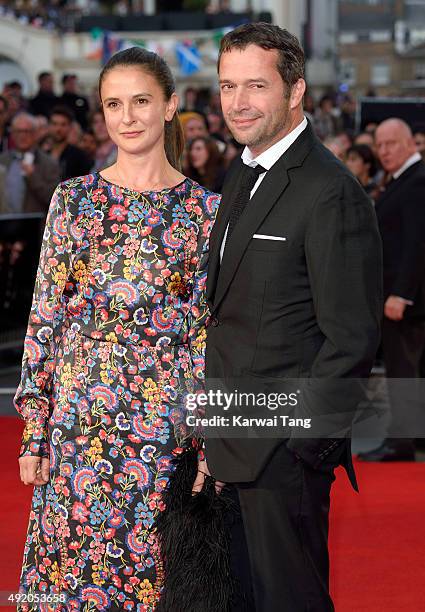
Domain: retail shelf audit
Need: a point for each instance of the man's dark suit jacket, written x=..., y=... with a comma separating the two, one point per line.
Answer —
x=401, y=218
x=307, y=307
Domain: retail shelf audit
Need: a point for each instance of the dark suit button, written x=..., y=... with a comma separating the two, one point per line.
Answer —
x=214, y=321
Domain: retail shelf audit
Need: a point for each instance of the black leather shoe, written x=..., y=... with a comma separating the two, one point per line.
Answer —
x=386, y=452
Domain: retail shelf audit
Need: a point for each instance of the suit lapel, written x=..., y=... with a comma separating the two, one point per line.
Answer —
x=220, y=225
x=273, y=185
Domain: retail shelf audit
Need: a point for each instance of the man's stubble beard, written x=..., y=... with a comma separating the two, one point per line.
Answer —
x=264, y=136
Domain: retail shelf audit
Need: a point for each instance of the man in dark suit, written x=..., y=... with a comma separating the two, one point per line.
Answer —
x=45, y=98
x=401, y=218
x=77, y=103
x=294, y=288
x=71, y=159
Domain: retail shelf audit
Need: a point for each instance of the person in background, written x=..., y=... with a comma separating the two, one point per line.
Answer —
x=309, y=107
x=370, y=128
x=346, y=140
x=14, y=89
x=31, y=176
x=233, y=149
x=2, y=192
x=361, y=161
x=106, y=153
x=194, y=125
x=45, y=100
x=75, y=134
x=88, y=144
x=42, y=126
x=46, y=144
x=400, y=211
x=333, y=144
x=214, y=104
x=72, y=161
x=190, y=100
x=419, y=136
x=4, y=131
x=216, y=126
x=77, y=103
x=205, y=163
x=366, y=138
x=348, y=113
x=326, y=121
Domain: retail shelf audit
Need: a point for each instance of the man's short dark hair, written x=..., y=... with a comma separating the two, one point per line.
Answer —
x=291, y=59
x=43, y=75
x=326, y=98
x=14, y=85
x=63, y=111
x=67, y=76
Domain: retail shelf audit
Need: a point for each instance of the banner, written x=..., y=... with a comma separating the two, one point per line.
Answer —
x=190, y=54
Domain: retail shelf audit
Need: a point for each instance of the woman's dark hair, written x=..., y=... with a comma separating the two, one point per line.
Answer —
x=291, y=60
x=154, y=65
x=214, y=167
x=366, y=153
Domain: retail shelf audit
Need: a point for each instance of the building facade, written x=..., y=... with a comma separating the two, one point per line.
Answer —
x=381, y=46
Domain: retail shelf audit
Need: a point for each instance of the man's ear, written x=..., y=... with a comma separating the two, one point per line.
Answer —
x=297, y=93
x=172, y=106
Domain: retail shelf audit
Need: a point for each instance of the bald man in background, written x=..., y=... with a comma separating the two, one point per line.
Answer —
x=401, y=218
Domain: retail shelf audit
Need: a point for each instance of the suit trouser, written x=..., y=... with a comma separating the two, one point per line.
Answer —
x=403, y=343
x=284, y=517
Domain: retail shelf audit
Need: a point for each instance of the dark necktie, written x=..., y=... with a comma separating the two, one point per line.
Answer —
x=248, y=179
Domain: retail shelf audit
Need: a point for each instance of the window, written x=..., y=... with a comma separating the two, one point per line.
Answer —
x=348, y=72
x=380, y=73
x=419, y=70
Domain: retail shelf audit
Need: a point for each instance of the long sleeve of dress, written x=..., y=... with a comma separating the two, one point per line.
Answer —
x=199, y=313
x=32, y=398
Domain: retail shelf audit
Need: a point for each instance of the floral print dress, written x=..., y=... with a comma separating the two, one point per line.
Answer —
x=115, y=339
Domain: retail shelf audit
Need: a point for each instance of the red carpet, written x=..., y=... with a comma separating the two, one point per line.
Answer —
x=377, y=538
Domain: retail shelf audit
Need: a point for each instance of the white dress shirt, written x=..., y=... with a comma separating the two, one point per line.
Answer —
x=409, y=162
x=267, y=159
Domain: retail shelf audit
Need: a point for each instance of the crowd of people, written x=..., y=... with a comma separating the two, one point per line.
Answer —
x=65, y=14
x=53, y=137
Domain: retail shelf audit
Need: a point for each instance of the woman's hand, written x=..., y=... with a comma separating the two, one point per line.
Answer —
x=34, y=470
x=203, y=472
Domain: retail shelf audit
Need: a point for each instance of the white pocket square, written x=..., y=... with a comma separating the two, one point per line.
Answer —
x=265, y=237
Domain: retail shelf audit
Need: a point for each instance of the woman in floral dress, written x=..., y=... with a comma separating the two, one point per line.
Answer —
x=115, y=340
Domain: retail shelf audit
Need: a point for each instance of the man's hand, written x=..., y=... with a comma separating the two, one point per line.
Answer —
x=34, y=470
x=27, y=169
x=203, y=472
x=394, y=308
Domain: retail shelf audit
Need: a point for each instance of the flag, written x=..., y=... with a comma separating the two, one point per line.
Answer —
x=111, y=44
x=188, y=57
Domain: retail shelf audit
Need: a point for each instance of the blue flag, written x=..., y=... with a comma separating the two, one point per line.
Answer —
x=189, y=58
